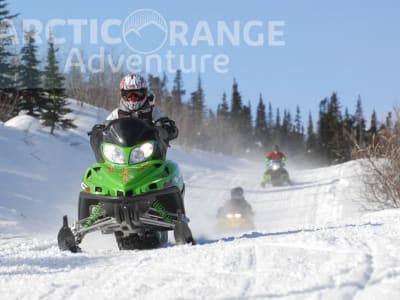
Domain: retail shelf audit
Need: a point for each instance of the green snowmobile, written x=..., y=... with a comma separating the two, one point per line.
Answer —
x=276, y=174
x=132, y=191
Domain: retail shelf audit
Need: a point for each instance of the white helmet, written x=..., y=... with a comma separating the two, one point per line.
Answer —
x=133, y=92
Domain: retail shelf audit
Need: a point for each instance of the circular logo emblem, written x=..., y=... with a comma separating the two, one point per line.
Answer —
x=145, y=31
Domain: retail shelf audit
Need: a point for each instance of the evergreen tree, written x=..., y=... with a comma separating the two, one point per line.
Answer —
x=197, y=112
x=389, y=121
x=223, y=127
x=29, y=79
x=261, y=128
x=298, y=133
x=286, y=128
x=236, y=103
x=8, y=94
x=312, y=143
x=6, y=69
x=297, y=120
x=223, y=108
x=55, y=104
x=197, y=103
x=276, y=133
x=338, y=146
x=348, y=123
x=53, y=80
x=373, y=129
x=246, y=126
x=359, y=124
x=270, y=116
x=177, y=89
x=278, y=119
x=236, y=119
x=322, y=127
x=178, y=109
x=29, y=73
x=349, y=130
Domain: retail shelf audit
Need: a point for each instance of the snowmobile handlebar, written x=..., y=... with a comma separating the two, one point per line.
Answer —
x=166, y=128
x=96, y=127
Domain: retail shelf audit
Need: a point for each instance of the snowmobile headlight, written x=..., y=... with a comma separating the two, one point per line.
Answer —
x=237, y=215
x=113, y=153
x=229, y=216
x=141, y=153
x=275, y=166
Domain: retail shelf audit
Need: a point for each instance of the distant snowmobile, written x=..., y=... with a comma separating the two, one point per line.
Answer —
x=236, y=214
x=276, y=174
x=132, y=191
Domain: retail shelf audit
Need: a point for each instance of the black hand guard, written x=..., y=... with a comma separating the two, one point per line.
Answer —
x=96, y=127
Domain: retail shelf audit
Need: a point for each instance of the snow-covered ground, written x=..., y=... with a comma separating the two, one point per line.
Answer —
x=313, y=240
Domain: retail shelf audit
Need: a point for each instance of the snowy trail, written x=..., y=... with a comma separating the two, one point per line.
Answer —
x=304, y=264
x=312, y=240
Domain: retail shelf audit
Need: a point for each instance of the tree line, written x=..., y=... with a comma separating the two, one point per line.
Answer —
x=24, y=86
x=233, y=129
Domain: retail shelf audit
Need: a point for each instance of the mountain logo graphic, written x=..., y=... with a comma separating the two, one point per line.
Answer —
x=145, y=31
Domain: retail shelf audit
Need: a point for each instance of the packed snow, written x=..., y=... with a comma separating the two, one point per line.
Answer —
x=315, y=239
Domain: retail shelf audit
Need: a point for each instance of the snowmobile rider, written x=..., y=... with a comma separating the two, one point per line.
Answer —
x=238, y=201
x=275, y=154
x=275, y=168
x=136, y=102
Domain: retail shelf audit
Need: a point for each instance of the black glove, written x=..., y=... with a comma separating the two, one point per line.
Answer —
x=167, y=129
x=150, y=98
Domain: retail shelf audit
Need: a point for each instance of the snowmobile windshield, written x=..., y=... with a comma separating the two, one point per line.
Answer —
x=128, y=132
x=276, y=161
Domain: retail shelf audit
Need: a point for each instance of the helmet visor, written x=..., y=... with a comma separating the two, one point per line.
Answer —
x=133, y=95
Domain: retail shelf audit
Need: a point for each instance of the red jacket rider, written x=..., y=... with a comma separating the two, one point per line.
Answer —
x=276, y=154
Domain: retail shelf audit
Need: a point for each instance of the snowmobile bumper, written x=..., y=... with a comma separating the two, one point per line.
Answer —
x=276, y=178
x=157, y=208
x=157, y=211
x=225, y=225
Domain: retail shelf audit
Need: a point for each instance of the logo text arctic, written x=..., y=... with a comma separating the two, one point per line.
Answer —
x=154, y=42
